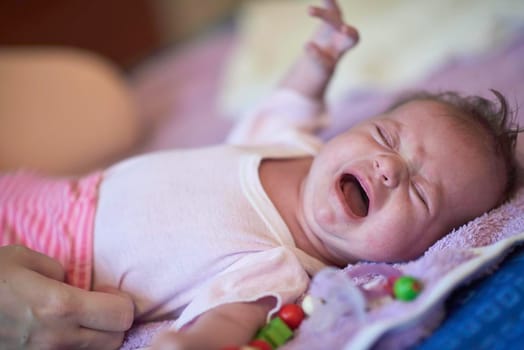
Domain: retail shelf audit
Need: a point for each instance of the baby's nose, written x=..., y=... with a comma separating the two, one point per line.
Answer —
x=389, y=170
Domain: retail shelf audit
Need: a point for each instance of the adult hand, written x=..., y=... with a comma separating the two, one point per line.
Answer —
x=39, y=311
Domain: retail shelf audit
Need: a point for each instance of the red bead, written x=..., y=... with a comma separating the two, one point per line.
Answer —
x=292, y=315
x=389, y=284
x=260, y=344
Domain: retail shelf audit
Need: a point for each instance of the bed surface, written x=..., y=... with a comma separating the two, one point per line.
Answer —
x=487, y=314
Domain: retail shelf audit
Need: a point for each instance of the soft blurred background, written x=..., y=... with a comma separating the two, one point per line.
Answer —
x=194, y=66
x=85, y=83
x=126, y=32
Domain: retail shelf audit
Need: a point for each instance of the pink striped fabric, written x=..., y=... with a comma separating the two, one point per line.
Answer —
x=54, y=216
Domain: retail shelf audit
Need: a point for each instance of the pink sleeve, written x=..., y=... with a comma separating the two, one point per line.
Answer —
x=282, y=111
x=275, y=273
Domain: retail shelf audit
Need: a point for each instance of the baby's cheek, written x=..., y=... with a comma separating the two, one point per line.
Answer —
x=325, y=216
x=382, y=247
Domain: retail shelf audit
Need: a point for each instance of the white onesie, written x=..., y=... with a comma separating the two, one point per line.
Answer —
x=184, y=231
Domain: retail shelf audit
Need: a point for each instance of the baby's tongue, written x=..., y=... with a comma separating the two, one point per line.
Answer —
x=354, y=198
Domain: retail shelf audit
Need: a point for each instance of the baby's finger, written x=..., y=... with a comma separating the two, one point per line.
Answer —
x=350, y=36
x=332, y=5
x=326, y=15
x=168, y=341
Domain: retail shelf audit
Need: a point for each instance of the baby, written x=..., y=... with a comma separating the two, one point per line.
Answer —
x=220, y=237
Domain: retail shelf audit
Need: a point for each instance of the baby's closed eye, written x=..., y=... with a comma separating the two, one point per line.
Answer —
x=420, y=193
x=385, y=137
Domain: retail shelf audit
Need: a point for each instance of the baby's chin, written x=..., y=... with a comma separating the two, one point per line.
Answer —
x=383, y=253
x=342, y=258
x=392, y=257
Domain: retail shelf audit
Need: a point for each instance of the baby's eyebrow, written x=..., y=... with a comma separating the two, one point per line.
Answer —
x=418, y=151
x=392, y=123
x=397, y=128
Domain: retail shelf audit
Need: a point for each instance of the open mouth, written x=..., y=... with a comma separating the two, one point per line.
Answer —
x=354, y=194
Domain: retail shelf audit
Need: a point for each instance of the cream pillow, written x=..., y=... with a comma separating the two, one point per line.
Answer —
x=401, y=42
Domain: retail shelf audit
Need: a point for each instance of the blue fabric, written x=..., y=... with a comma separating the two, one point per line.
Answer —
x=487, y=314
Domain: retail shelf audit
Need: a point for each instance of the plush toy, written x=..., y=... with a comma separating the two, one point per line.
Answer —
x=331, y=295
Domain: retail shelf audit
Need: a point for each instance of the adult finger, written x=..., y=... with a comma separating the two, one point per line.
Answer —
x=328, y=16
x=110, y=290
x=104, y=311
x=33, y=260
x=79, y=338
x=93, y=339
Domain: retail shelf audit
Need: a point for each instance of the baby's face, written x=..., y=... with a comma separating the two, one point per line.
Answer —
x=388, y=188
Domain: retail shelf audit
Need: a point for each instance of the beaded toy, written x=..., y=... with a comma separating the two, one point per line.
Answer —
x=331, y=295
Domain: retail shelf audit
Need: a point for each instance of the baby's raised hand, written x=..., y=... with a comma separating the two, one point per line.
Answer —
x=333, y=38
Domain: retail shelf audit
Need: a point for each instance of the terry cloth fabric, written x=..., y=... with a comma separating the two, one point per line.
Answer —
x=468, y=252
x=52, y=216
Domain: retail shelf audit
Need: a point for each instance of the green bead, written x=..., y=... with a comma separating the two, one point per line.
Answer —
x=276, y=332
x=406, y=288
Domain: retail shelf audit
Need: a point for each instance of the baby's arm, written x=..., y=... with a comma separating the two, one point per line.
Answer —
x=298, y=102
x=313, y=70
x=228, y=324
